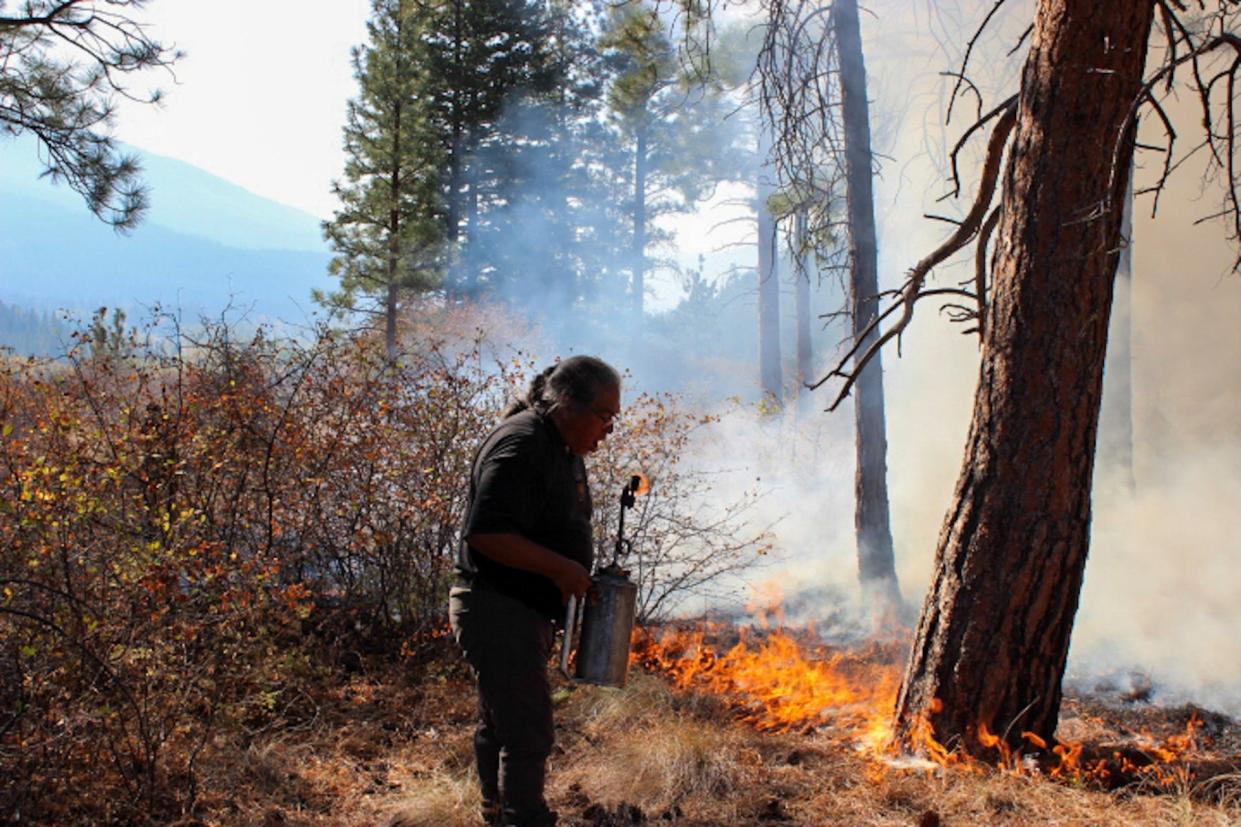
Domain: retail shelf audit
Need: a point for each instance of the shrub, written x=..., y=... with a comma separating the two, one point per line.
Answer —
x=175, y=509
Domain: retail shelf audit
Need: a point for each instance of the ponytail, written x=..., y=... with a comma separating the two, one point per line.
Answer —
x=533, y=397
x=578, y=379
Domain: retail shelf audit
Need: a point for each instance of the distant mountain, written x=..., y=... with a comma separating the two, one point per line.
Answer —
x=206, y=243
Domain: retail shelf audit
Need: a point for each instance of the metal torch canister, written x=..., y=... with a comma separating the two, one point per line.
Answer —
x=607, y=627
x=608, y=616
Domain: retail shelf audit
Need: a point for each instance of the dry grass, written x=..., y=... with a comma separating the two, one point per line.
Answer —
x=442, y=800
x=394, y=748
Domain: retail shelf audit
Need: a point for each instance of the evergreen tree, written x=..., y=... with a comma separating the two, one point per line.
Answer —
x=32, y=333
x=388, y=234
x=485, y=61
x=62, y=62
x=670, y=117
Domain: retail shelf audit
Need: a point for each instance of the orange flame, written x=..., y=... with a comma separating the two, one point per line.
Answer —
x=774, y=685
x=789, y=680
x=644, y=483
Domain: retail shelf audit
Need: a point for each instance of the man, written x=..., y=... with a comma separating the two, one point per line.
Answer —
x=526, y=549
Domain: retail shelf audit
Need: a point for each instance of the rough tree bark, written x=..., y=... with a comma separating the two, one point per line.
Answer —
x=771, y=374
x=994, y=633
x=876, y=561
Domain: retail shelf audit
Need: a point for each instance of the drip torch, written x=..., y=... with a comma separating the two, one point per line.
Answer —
x=607, y=618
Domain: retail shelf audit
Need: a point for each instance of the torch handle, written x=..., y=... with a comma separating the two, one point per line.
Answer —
x=566, y=646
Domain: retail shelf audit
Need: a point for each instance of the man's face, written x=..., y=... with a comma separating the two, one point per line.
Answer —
x=589, y=425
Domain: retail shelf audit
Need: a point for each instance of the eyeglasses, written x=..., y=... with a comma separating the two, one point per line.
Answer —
x=606, y=418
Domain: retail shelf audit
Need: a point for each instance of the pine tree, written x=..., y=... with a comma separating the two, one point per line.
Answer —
x=388, y=234
x=62, y=62
x=670, y=117
x=485, y=61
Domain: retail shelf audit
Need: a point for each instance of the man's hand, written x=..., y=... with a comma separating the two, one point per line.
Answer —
x=573, y=580
x=515, y=550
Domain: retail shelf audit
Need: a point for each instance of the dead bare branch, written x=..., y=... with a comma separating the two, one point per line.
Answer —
x=912, y=289
x=965, y=61
x=980, y=266
x=961, y=142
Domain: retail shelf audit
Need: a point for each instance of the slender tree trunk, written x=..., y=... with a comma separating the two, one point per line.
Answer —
x=470, y=249
x=638, y=253
x=802, y=303
x=390, y=310
x=770, y=371
x=993, y=639
x=876, y=561
x=458, y=282
x=1115, y=449
x=394, y=237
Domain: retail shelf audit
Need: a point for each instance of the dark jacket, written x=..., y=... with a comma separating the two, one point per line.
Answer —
x=526, y=481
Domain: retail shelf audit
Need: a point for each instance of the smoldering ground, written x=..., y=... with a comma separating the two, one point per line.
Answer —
x=1160, y=589
x=1161, y=582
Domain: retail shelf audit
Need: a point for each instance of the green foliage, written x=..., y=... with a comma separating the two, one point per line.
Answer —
x=388, y=233
x=490, y=99
x=513, y=93
x=61, y=64
x=671, y=118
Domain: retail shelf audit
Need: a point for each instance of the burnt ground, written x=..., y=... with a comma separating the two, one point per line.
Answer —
x=388, y=743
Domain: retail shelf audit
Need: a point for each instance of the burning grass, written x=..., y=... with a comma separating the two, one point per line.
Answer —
x=389, y=743
x=782, y=680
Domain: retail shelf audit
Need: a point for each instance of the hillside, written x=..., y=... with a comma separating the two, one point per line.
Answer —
x=205, y=244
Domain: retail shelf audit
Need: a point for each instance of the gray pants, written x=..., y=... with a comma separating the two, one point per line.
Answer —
x=508, y=645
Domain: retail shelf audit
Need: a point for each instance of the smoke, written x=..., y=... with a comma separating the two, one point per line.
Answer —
x=1160, y=602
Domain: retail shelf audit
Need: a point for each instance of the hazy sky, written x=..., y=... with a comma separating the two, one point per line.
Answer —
x=260, y=96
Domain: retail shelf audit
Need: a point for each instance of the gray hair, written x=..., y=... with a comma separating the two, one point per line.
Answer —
x=577, y=380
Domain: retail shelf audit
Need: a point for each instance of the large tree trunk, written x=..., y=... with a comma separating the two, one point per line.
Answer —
x=770, y=372
x=994, y=634
x=876, y=562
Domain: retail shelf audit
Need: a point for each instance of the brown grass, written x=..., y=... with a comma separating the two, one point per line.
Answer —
x=393, y=747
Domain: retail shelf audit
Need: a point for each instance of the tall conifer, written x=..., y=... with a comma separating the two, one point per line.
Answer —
x=388, y=234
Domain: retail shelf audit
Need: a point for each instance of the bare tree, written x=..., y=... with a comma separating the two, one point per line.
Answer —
x=63, y=65
x=814, y=90
x=993, y=639
x=768, y=271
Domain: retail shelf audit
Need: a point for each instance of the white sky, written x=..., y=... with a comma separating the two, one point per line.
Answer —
x=259, y=99
x=260, y=96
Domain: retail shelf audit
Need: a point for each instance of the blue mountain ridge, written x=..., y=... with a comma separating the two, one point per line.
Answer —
x=206, y=244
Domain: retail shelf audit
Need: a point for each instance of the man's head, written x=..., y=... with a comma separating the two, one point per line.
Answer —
x=582, y=395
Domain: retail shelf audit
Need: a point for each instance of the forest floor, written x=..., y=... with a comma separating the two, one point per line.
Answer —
x=389, y=743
